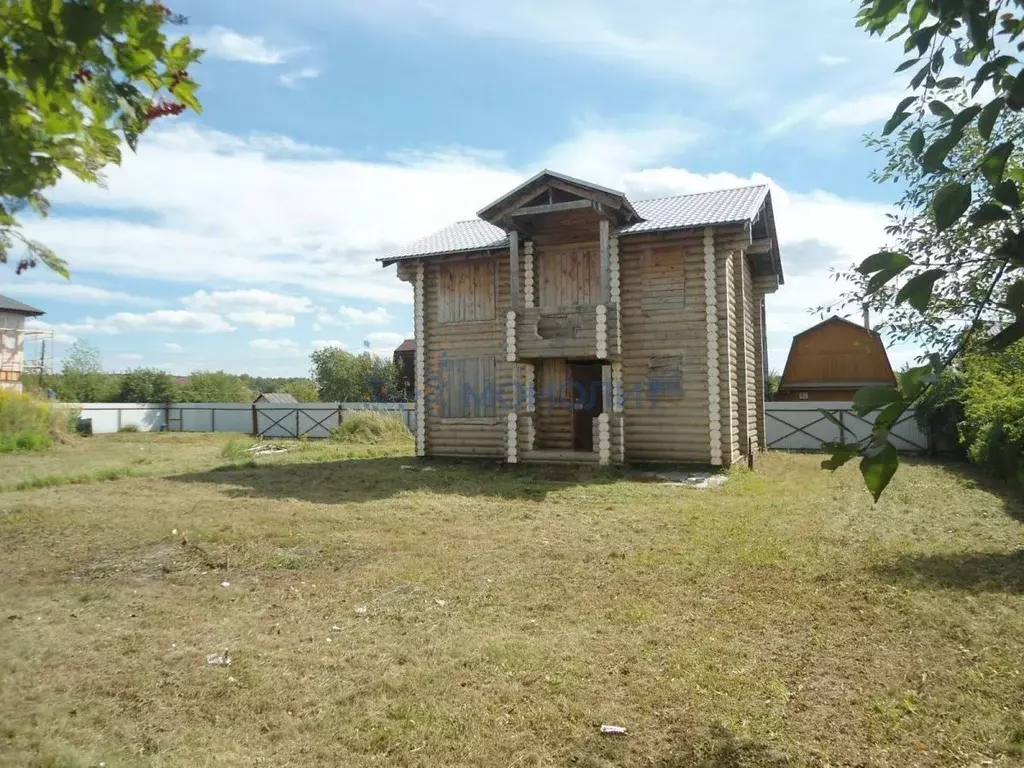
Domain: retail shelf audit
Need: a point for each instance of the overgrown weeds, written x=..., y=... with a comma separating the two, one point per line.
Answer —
x=28, y=424
x=372, y=429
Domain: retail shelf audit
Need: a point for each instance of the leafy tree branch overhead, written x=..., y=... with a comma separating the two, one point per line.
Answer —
x=79, y=78
x=961, y=238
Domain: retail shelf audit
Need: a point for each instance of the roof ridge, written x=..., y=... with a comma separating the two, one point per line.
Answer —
x=695, y=194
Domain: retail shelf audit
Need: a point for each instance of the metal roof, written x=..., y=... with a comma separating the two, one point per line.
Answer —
x=276, y=397
x=8, y=304
x=704, y=209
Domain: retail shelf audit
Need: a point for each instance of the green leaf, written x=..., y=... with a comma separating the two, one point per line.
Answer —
x=868, y=399
x=993, y=165
x=963, y=118
x=949, y=83
x=918, y=290
x=185, y=93
x=841, y=454
x=1010, y=334
x=1015, y=93
x=913, y=380
x=916, y=142
x=918, y=13
x=950, y=203
x=907, y=64
x=940, y=109
x=1014, y=300
x=876, y=262
x=881, y=278
x=878, y=469
x=895, y=122
x=916, y=80
x=1007, y=194
x=934, y=157
x=888, y=416
x=988, y=213
x=989, y=114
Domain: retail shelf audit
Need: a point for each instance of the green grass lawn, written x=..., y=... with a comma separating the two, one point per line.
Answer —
x=483, y=615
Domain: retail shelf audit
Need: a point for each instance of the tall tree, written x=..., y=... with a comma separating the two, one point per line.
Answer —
x=78, y=78
x=146, y=385
x=82, y=379
x=215, y=387
x=953, y=45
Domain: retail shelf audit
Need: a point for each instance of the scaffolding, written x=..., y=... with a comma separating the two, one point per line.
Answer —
x=26, y=354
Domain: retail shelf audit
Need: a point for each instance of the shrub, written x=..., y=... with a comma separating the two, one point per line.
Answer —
x=370, y=428
x=128, y=428
x=992, y=430
x=27, y=424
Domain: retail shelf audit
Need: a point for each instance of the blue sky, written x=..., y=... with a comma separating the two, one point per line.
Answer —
x=334, y=130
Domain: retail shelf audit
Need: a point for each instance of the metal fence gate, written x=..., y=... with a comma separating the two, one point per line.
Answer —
x=803, y=426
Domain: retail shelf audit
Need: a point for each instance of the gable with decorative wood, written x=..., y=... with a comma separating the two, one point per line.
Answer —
x=569, y=323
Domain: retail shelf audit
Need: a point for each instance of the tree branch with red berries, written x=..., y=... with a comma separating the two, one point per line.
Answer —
x=78, y=80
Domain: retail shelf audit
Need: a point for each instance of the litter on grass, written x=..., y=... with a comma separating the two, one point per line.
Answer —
x=219, y=659
x=263, y=448
x=613, y=729
x=413, y=468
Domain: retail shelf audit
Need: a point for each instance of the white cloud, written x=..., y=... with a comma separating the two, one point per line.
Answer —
x=324, y=343
x=256, y=210
x=356, y=316
x=61, y=336
x=829, y=60
x=174, y=347
x=227, y=44
x=825, y=111
x=262, y=320
x=160, y=321
x=656, y=38
x=76, y=292
x=602, y=151
x=385, y=339
x=292, y=79
x=273, y=344
x=277, y=347
x=872, y=108
x=246, y=301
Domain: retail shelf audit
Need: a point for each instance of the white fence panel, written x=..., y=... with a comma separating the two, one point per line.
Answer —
x=802, y=426
x=314, y=420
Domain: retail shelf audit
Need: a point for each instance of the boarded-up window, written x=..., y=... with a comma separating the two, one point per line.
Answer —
x=469, y=387
x=664, y=287
x=569, y=277
x=467, y=292
x=665, y=376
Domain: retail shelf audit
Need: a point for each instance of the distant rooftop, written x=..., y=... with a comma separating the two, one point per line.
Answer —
x=8, y=304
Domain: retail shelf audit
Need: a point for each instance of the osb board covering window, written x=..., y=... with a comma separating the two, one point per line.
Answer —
x=469, y=388
x=663, y=285
x=467, y=292
x=570, y=277
x=665, y=376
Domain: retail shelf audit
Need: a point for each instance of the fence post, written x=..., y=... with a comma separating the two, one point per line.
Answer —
x=296, y=423
x=842, y=428
x=213, y=419
x=255, y=422
x=118, y=419
x=339, y=414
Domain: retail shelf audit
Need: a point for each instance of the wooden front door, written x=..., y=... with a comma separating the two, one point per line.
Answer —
x=587, y=403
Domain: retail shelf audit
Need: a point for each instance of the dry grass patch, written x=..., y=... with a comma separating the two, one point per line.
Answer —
x=480, y=615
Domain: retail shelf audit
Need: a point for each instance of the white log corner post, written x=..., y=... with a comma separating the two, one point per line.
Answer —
x=528, y=273
x=421, y=433
x=714, y=389
x=602, y=331
x=604, y=440
x=615, y=285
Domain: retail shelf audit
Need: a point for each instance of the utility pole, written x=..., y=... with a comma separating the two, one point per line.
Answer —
x=42, y=365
